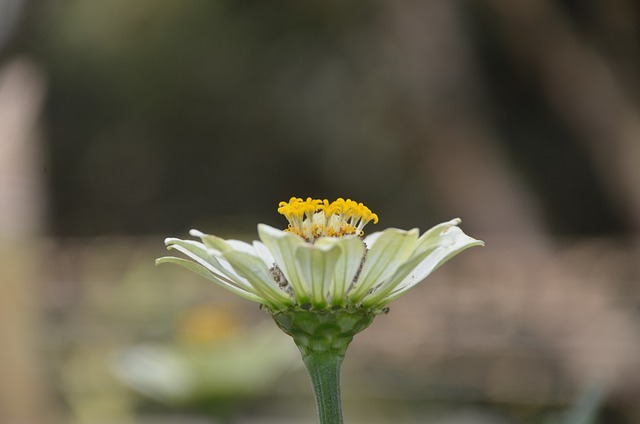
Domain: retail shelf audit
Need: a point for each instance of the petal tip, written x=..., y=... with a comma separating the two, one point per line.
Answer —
x=162, y=260
x=271, y=231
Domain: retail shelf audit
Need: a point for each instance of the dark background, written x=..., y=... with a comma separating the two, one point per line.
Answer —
x=162, y=115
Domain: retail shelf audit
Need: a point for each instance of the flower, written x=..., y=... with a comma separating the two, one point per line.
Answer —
x=322, y=261
x=321, y=279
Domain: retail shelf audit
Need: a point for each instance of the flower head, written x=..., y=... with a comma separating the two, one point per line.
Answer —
x=322, y=261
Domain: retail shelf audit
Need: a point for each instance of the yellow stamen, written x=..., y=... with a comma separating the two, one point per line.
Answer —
x=314, y=218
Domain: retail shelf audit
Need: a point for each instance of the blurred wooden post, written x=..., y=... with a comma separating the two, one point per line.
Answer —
x=464, y=165
x=584, y=89
x=21, y=384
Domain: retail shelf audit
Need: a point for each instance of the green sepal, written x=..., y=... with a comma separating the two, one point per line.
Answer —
x=323, y=332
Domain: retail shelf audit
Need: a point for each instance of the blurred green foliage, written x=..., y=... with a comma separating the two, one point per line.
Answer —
x=204, y=109
x=129, y=343
x=167, y=115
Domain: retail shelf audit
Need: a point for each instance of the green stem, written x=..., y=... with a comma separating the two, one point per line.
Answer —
x=324, y=370
x=323, y=338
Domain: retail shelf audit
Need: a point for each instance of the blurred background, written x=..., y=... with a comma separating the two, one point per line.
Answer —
x=125, y=122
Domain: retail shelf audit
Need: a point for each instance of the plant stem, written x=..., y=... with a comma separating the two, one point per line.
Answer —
x=323, y=338
x=324, y=370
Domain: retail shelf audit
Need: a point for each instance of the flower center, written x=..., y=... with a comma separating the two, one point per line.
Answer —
x=313, y=218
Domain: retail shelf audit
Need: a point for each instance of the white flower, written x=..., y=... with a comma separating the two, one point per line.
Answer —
x=322, y=262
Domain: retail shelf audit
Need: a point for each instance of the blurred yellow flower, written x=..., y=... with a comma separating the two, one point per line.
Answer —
x=207, y=324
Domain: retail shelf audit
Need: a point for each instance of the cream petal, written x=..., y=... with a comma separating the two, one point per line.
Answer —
x=426, y=244
x=194, y=250
x=225, y=267
x=431, y=238
x=215, y=242
x=263, y=253
x=452, y=240
x=282, y=246
x=392, y=282
x=388, y=252
x=323, y=271
x=205, y=257
x=194, y=246
x=316, y=266
x=352, y=250
x=371, y=238
x=204, y=272
x=242, y=246
x=254, y=270
x=211, y=241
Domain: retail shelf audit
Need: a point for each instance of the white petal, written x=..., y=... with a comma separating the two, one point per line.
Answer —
x=215, y=242
x=282, y=246
x=254, y=270
x=426, y=244
x=347, y=265
x=263, y=253
x=388, y=252
x=225, y=268
x=204, y=272
x=451, y=241
x=242, y=246
x=196, y=233
x=211, y=241
x=195, y=246
x=432, y=237
x=316, y=265
x=195, y=250
x=205, y=257
x=371, y=238
x=392, y=282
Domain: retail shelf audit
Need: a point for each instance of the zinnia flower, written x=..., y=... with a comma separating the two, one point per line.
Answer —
x=322, y=261
x=321, y=279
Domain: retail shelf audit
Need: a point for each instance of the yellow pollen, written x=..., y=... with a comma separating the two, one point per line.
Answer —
x=314, y=218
